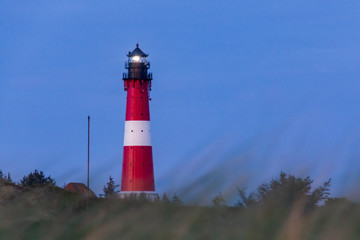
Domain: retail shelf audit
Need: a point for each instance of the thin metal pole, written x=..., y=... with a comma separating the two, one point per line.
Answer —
x=88, y=166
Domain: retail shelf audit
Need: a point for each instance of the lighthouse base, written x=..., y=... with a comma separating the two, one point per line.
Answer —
x=151, y=196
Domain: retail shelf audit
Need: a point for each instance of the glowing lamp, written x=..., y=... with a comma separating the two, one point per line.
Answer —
x=135, y=58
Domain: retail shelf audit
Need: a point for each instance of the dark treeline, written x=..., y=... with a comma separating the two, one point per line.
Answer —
x=287, y=207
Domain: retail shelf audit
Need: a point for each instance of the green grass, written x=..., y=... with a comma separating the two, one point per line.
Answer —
x=52, y=213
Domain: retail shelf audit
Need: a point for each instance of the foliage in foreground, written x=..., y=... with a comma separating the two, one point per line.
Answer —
x=52, y=213
x=49, y=212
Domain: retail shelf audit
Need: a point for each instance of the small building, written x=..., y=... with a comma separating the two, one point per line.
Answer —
x=79, y=188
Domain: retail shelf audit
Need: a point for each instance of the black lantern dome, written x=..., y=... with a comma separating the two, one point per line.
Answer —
x=137, y=52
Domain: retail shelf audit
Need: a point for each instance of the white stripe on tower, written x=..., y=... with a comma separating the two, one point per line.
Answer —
x=137, y=133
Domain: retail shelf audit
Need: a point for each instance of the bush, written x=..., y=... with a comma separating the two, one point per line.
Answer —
x=284, y=192
x=219, y=201
x=5, y=179
x=37, y=178
x=110, y=188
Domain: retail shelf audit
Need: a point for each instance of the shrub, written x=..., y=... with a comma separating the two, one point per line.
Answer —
x=37, y=178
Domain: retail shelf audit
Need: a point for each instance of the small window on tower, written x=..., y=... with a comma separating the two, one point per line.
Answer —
x=132, y=130
x=142, y=130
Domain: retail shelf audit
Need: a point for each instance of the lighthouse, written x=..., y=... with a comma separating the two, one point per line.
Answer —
x=137, y=168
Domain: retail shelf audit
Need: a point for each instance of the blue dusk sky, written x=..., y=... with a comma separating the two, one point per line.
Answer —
x=241, y=90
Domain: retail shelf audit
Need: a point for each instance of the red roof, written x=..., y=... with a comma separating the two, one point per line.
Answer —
x=79, y=188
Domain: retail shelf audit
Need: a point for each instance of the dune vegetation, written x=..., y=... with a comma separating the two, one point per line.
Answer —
x=285, y=208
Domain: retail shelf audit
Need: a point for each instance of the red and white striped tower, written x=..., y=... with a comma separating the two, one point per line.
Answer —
x=137, y=169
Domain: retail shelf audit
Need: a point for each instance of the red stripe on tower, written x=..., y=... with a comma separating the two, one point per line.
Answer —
x=137, y=169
